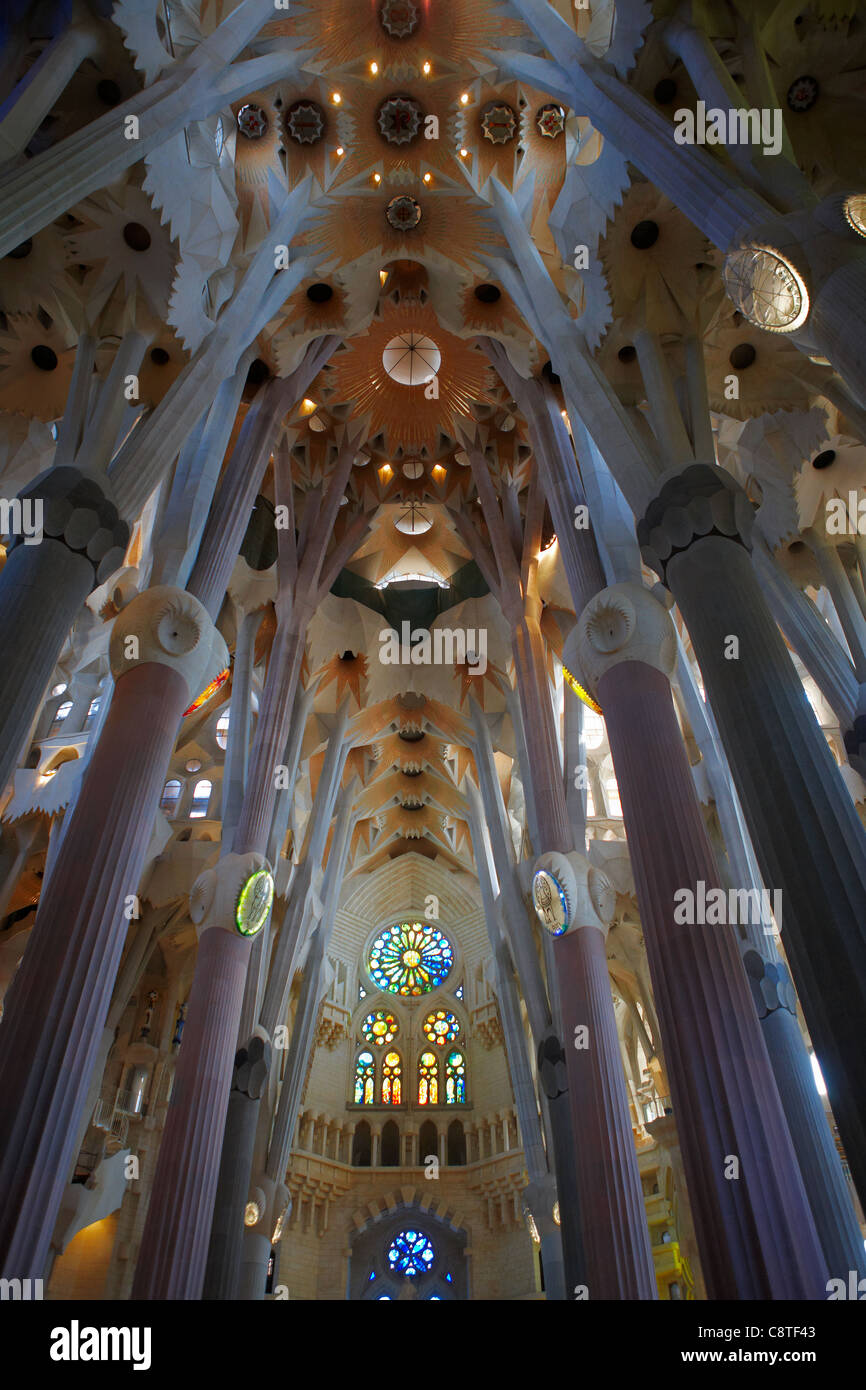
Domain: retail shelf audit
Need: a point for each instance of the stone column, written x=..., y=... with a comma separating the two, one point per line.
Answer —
x=806, y=834
x=184, y=1185
x=755, y=1231
x=42, y=587
x=163, y=647
x=615, y=1235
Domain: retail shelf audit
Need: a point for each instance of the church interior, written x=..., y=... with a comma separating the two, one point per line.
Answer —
x=433, y=650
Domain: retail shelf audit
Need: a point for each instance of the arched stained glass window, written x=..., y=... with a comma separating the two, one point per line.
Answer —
x=170, y=796
x=200, y=799
x=222, y=731
x=60, y=714
x=392, y=1083
x=428, y=1079
x=410, y=958
x=365, y=1071
x=455, y=1079
x=379, y=1028
x=441, y=1028
x=411, y=1253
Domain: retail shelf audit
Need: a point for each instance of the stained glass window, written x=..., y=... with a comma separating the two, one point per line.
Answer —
x=411, y=1253
x=455, y=1079
x=428, y=1079
x=379, y=1028
x=441, y=1028
x=458, y=993
x=410, y=958
x=365, y=1070
x=392, y=1085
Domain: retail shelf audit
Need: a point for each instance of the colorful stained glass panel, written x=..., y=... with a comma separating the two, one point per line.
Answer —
x=441, y=1028
x=410, y=959
x=411, y=1253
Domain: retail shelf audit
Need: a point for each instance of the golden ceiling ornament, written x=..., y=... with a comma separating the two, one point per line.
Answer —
x=550, y=120
x=411, y=421
x=252, y=121
x=399, y=18
x=499, y=123
x=403, y=212
x=305, y=122
x=399, y=119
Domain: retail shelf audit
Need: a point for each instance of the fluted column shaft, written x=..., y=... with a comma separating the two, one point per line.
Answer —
x=755, y=1232
x=807, y=837
x=613, y=1218
x=184, y=1184
x=57, y=1006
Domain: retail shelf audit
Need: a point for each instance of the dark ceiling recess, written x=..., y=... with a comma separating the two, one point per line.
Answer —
x=159, y=357
x=108, y=92
x=665, y=91
x=412, y=805
x=43, y=357
x=259, y=371
x=411, y=771
x=627, y=353
x=18, y=253
x=136, y=236
x=411, y=735
x=348, y=656
x=742, y=356
x=320, y=294
x=824, y=460
x=488, y=294
x=549, y=374
x=645, y=234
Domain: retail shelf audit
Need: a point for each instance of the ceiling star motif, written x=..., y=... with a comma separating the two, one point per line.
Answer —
x=305, y=122
x=252, y=122
x=499, y=123
x=403, y=212
x=550, y=120
x=399, y=119
x=399, y=18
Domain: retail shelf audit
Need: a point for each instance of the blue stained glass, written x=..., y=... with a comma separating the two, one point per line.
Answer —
x=410, y=1253
x=458, y=993
x=449, y=1279
x=372, y=1274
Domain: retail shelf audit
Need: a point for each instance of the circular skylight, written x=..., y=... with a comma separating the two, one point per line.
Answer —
x=411, y=359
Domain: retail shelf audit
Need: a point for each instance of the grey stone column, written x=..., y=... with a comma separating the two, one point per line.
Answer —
x=42, y=588
x=807, y=836
x=823, y=1179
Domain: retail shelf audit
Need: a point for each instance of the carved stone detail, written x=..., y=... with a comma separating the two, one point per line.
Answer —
x=170, y=627
x=697, y=501
x=624, y=623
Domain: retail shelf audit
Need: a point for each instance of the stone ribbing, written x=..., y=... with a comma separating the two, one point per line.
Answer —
x=755, y=1231
x=57, y=1007
x=184, y=1186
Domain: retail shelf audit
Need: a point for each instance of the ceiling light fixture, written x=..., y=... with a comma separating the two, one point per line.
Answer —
x=464, y=99
x=336, y=98
x=374, y=68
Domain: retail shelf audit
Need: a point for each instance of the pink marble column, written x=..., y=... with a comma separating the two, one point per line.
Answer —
x=58, y=1002
x=184, y=1185
x=754, y=1226
x=612, y=1213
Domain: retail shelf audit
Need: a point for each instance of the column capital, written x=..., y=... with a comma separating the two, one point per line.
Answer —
x=770, y=983
x=694, y=502
x=79, y=510
x=624, y=623
x=585, y=896
x=214, y=899
x=172, y=628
